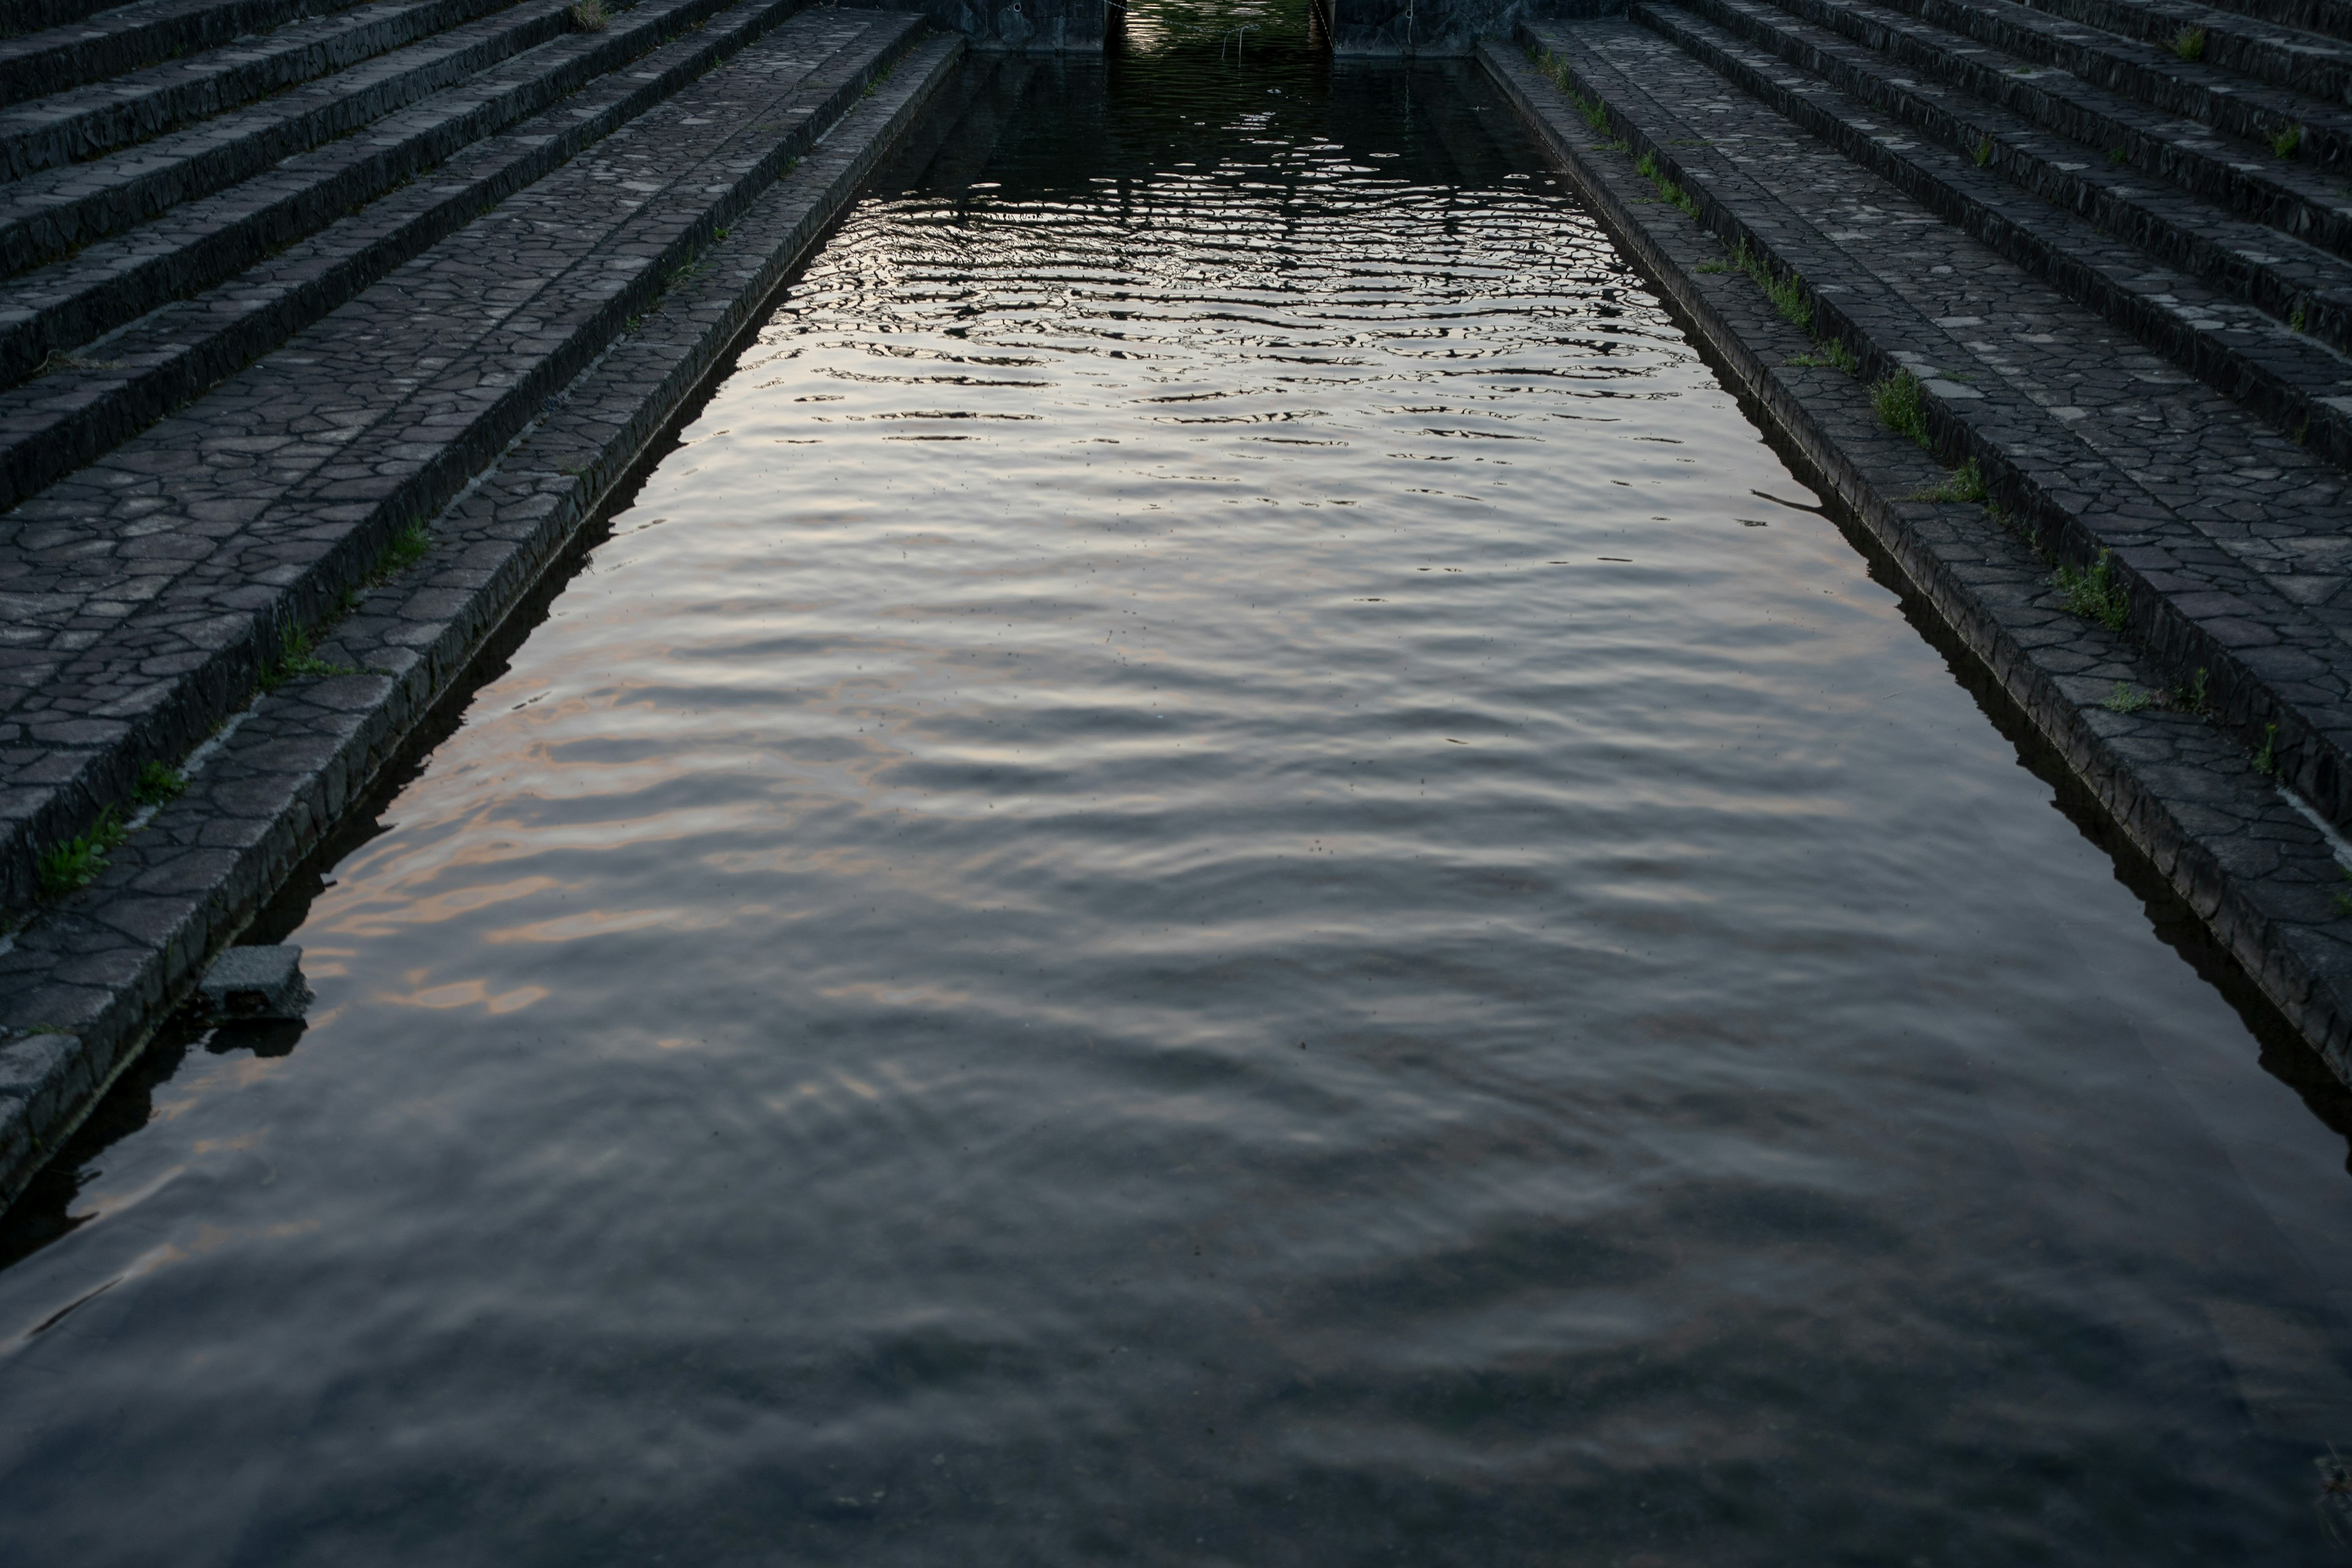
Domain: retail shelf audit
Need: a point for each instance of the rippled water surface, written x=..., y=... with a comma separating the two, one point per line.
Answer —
x=1222, y=873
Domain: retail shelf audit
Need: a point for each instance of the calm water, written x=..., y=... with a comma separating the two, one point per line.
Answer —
x=1222, y=873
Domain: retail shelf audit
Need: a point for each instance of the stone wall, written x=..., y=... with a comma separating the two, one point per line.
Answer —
x=1372, y=27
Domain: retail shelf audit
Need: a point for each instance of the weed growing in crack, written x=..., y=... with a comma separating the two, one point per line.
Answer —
x=2127, y=699
x=1830, y=354
x=2266, y=760
x=1984, y=153
x=2095, y=595
x=2017, y=527
x=590, y=16
x=1712, y=266
x=1647, y=167
x=2285, y=142
x=2188, y=44
x=159, y=784
x=1596, y=113
x=2118, y=155
x=1965, y=483
x=295, y=659
x=76, y=862
x=1787, y=294
x=2191, y=698
x=2294, y=323
x=1901, y=406
x=407, y=548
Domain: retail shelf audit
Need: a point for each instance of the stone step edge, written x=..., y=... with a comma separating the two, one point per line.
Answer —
x=84, y=782
x=2245, y=181
x=18, y=16
x=126, y=388
x=2300, y=392
x=39, y=133
x=120, y=190
x=101, y=46
x=71, y=1024
x=2228, y=45
x=2184, y=793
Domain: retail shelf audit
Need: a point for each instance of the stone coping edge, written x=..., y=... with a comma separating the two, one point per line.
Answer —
x=2263, y=870
x=86, y=983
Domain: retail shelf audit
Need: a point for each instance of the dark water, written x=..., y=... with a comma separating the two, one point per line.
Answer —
x=1222, y=873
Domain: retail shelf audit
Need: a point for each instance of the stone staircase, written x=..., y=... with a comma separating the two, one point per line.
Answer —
x=2111, y=243
x=279, y=279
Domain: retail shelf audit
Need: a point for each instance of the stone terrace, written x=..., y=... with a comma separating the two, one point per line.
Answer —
x=366, y=284
x=322, y=329
x=2103, y=248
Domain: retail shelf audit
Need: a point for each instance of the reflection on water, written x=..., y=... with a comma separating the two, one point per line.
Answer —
x=1220, y=873
x=1277, y=34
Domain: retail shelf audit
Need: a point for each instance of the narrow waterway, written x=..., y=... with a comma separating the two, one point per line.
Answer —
x=1221, y=872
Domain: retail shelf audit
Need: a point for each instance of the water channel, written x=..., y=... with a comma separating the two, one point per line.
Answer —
x=1220, y=871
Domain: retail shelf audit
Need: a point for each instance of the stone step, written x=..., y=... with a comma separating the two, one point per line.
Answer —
x=52, y=213
x=18, y=16
x=155, y=316
x=146, y=595
x=85, y=123
x=2221, y=335
x=2330, y=17
x=2224, y=87
x=2227, y=538
x=2189, y=41
x=109, y=42
x=2117, y=133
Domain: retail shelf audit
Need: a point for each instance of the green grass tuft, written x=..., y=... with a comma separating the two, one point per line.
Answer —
x=1787, y=294
x=408, y=547
x=159, y=784
x=1984, y=153
x=1901, y=406
x=1965, y=483
x=590, y=16
x=2285, y=142
x=2127, y=699
x=295, y=659
x=1595, y=112
x=1647, y=167
x=2266, y=760
x=2189, y=44
x=76, y=862
x=2095, y=595
x=1830, y=354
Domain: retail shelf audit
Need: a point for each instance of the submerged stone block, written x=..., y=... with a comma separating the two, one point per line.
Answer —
x=256, y=983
